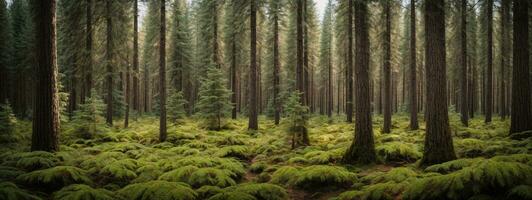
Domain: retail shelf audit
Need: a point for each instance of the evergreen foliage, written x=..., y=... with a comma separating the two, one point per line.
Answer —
x=8, y=122
x=398, y=152
x=214, y=99
x=176, y=106
x=87, y=118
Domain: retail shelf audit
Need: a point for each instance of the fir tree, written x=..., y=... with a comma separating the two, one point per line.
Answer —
x=297, y=115
x=88, y=116
x=176, y=106
x=214, y=102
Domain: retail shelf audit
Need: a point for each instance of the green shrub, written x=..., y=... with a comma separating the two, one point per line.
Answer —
x=206, y=191
x=160, y=190
x=211, y=176
x=10, y=191
x=232, y=196
x=317, y=176
x=55, y=177
x=398, y=152
x=88, y=117
x=485, y=177
x=320, y=157
x=285, y=175
x=176, y=106
x=214, y=102
x=396, y=175
x=36, y=160
x=83, y=192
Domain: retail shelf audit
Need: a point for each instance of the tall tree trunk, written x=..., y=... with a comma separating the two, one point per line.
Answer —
x=299, y=49
x=387, y=70
x=88, y=48
x=349, y=63
x=489, y=71
x=521, y=110
x=505, y=21
x=162, y=74
x=127, y=96
x=438, y=141
x=234, y=78
x=362, y=150
x=136, y=71
x=45, y=132
x=253, y=120
x=109, y=59
x=463, y=61
x=276, y=68
x=146, y=95
x=330, y=91
x=413, y=68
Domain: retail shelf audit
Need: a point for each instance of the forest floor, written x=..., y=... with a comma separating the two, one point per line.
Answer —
x=234, y=163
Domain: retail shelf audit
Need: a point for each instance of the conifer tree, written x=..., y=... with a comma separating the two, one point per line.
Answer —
x=213, y=98
x=176, y=106
x=7, y=122
x=4, y=52
x=298, y=116
x=88, y=116
x=326, y=59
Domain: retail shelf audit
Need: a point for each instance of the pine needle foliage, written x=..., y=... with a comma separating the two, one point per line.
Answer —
x=84, y=192
x=88, y=116
x=161, y=190
x=214, y=102
x=211, y=176
x=176, y=106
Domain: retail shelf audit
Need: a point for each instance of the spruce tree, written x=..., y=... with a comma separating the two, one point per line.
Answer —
x=176, y=106
x=214, y=102
x=297, y=115
x=88, y=116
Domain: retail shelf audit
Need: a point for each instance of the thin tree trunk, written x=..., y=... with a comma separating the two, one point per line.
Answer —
x=45, y=132
x=521, y=110
x=162, y=74
x=362, y=150
x=349, y=63
x=463, y=61
x=108, y=60
x=253, y=120
x=276, y=69
x=387, y=70
x=505, y=21
x=438, y=141
x=413, y=68
x=489, y=71
x=88, y=49
x=136, y=73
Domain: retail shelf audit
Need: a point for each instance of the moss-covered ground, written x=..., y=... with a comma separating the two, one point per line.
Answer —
x=234, y=163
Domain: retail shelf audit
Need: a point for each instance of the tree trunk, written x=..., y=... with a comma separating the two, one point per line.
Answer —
x=521, y=111
x=253, y=120
x=387, y=70
x=489, y=71
x=109, y=59
x=276, y=68
x=413, y=68
x=127, y=96
x=362, y=150
x=162, y=74
x=463, y=61
x=438, y=141
x=505, y=21
x=234, y=78
x=45, y=133
x=88, y=48
x=136, y=72
x=349, y=64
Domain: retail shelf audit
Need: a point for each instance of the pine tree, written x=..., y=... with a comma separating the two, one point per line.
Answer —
x=387, y=71
x=45, y=136
x=438, y=141
x=298, y=115
x=162, y=73
x=176, y=106
x=180, y=59
x=4, y=52
x=253, y=95
x=88, y=116
x=213, y=98
x=464, y=117
x=362, y=149
x=489, y=67
x=413, y=68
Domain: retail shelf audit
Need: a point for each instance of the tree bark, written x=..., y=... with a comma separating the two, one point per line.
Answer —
x=136, y=71
x=438, y=141
x=253, y=120
x=162, y=74
x=88, y=49
x=276, y=68
x=362, y=150
x=45, y=132
x=521, y=110
x=489, y=71
x=505, y=21
x=387, y=70
x=463, y=61
x=109, y=59
x=413, y=68
x=349, y=63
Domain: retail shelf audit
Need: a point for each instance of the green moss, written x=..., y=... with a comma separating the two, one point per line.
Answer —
x=523, y=192
x=34, y=160
x=453, y=165
x=83, y=192
x=121, y=169
x=232, y=196
x=160, y=190
x=9, y=173
x=398, y=152
x=261, y=191
x=10, y=191
x=285, y=175
x=396, y=175
x=258, y=167
x=236, y=151
x=320, y=157
x=207, y=191
x=54, y=178
x=470, y=147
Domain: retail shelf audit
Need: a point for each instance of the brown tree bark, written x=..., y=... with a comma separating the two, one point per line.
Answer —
x=349, y=64
x=109, y=59
x=489, y=70
x=362, y=150
x=253, y=120
x=505, y=33
x=521, y=109
x=162, y=74
x=136, y=71
x=438, y=141
x=387, y=70
x=464, y=117
x=413, y=68
x=45, y=132
x=88, y=50
x=276, y=69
